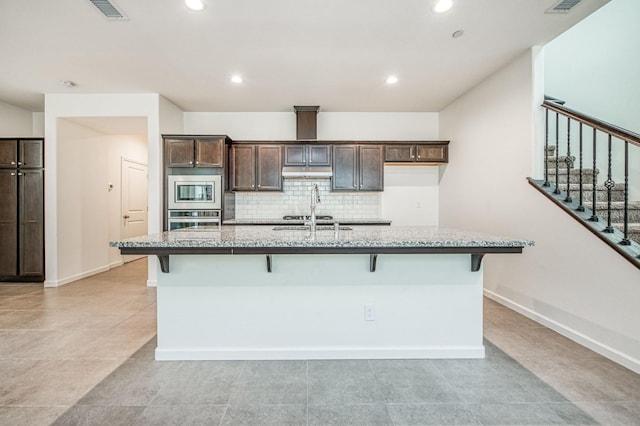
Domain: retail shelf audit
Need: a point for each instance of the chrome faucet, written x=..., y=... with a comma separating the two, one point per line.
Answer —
x=315, y=199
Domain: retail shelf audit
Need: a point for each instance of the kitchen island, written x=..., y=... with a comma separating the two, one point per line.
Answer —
x=252, y=292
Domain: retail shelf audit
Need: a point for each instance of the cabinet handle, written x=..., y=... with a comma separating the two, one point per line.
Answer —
x=126, y=216
x=190, y=162
x=13, y=173
x=259, y=186
x=19, y=174
x=19, y=163
x=13, y=163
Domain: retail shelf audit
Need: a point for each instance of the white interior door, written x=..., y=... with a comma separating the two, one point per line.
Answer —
x=134, y=202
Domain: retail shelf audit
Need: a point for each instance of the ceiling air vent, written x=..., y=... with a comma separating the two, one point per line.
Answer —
x=109, y=9
x=563, y=6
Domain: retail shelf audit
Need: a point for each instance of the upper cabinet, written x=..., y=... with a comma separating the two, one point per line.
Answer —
x=357, y=168
x=21, y=153
x=195, y=152
x=427, y=152
x=255, y=167
x=307, y=155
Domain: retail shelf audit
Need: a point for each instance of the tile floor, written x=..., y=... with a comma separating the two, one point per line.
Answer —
x=82, y=354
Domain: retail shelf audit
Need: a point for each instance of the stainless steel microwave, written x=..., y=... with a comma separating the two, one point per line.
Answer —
x=194, y=192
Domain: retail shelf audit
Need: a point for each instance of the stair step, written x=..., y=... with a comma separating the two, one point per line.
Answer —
x=633, y=228
x=562, y=162
x=587, y=175
x=617, y=211
x=617, y=192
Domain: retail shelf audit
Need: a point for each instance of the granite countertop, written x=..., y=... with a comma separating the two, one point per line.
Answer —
x=234, y=238
x=281, y=221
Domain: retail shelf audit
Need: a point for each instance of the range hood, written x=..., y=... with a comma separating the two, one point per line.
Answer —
x=306, y=130
x=307, y=172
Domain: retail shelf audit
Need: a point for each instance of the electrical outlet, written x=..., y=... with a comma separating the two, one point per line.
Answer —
x=369, y=313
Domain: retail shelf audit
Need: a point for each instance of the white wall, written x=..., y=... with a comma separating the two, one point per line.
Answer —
x=570, y=280
x=15, y=121
x=331, y=125
x=89, y=214
x=411, y=195
x=600, y=53
x=83, y=213
x=104, y=105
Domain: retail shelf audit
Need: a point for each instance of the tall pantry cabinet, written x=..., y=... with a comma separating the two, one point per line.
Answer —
x=21, y=210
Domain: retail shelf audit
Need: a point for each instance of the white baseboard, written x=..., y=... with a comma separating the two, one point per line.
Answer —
x=217, y=354
x=116, y=264
x=85, y=274
x=596, y=346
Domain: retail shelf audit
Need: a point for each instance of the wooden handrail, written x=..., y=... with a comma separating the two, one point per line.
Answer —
x=601, y=125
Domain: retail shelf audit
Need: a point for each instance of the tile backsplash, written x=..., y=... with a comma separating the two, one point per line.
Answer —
x=295, y=199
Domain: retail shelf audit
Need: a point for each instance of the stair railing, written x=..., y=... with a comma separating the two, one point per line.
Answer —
x=559, y=121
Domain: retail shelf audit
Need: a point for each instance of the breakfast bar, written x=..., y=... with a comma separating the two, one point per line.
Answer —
x=263, y=292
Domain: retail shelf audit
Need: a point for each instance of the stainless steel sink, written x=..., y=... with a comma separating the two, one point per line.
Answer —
x=308, y=228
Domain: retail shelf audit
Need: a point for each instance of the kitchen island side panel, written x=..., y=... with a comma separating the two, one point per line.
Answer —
x=313, y=307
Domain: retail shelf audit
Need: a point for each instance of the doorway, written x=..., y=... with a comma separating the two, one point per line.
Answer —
x=134, y=206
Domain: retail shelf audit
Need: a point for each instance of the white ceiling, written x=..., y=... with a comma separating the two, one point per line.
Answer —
x=332, y=53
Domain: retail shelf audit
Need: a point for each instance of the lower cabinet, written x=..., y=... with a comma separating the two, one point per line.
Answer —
x=22, y=225
x=358, y=168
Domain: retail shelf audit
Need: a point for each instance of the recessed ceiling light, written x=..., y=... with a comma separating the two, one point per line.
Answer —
x=442, y=6
x=392, y=79
x=457, y=34
x=236, y=79
x=68, y=83
x=194, y=4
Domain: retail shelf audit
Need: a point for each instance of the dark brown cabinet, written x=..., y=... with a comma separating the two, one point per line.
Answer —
x=200, y=152
x=412, y=153
x=307, y=155
x=21, y=210
x=255, y=167
x=358, y=168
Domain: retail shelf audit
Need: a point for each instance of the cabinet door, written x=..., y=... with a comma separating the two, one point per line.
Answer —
x=9, y=223
x=31, y=154
x=179, y=152
x=319, y=155
x=8, y=153
x=371, y=168
x=345, y=172
x=269, y=168
x=243, y=167
x=209, y=152
x=295, y=155
x=399, y=153
x=433, y=153
x=31, y=232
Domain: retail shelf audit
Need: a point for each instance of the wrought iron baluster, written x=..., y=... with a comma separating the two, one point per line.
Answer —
x=625, y=240
x=609, y=184
x=569, y=162
x=546, y=148
x=594, y=212
x=580, y=207
x=557, y=175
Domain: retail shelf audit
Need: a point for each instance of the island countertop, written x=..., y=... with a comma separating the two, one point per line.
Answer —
x=229, y=238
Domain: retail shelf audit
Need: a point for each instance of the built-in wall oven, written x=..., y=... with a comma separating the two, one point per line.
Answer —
x=194, y=201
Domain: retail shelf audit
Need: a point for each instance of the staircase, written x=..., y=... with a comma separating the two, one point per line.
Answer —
x=598, y=199
x=588, y=175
